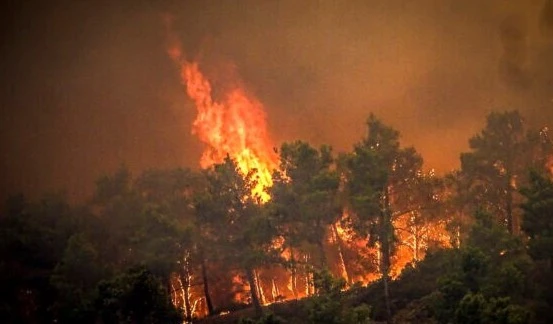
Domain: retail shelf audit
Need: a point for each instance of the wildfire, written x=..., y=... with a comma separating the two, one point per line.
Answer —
x=233, y=126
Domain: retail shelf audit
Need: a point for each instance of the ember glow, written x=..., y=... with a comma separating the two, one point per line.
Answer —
x=234, y=126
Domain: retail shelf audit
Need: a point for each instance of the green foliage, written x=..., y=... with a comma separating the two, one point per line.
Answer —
x=268, y=318
x=33, y=237
x=330, y=304
x=489, y=280
x=233, y=217
x=538, y=225
x=148, y=220
x=377, y=170
x=538, y=216
x=55, y=254
x=112, y=259
x=486, y=280
x=445, y=301
x=379, y=176
x=75, y=278
x=498, y=162
x=236, y=223
x=471, y=309
x=305, y=196
x=135, y=296
x=475, y=308
x=474, y=267
x=496, y=156
x=357, y=315
x=501, y=310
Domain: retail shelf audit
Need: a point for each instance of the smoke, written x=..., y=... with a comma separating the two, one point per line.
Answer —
x=514, y=41
x=87, y=87
x=547, y=18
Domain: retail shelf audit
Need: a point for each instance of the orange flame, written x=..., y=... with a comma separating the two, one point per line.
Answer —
x=235, y=126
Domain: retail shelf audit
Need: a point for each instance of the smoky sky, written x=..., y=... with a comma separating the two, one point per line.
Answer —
x=88, y=87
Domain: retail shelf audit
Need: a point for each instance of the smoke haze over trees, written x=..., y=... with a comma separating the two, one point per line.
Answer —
x=437, y=209
x=176, y=244
x=87, y=87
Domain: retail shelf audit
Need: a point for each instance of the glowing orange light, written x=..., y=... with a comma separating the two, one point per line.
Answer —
x=235, y=126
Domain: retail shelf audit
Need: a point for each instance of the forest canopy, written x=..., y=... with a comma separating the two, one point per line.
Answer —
x=363, y=235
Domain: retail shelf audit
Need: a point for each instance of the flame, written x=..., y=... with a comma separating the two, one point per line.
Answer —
x=234, y=126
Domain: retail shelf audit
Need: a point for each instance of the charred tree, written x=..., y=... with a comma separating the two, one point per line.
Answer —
x=205, y=282
x=250, y=275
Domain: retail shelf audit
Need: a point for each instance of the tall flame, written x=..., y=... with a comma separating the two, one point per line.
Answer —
x=234, y=126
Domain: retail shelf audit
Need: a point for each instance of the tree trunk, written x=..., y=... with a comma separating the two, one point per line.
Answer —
x=253, y=291
x=320, y=244
x=173, y=293
x=416, y=244
x=308, y=277
x=459, y=228
x=260, y=293
x=511, y=223
x=186, y=282
x=386, y=227
x=275, y=292
x=385, y=270
x=294, y=274
x=208, y=302
x=340, y=253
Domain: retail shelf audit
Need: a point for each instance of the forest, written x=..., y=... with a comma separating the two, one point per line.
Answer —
x=364, y=236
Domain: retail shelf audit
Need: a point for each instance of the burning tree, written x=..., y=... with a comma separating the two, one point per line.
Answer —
x=497, y=164
x=305, y=199
x=378, y=176
x=239, y=224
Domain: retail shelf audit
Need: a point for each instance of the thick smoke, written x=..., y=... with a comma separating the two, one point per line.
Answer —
x=87, y=87
x=547, y=18
x=514, y=39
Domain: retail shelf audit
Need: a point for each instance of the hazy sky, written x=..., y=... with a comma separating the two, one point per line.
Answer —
x=87, y=86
